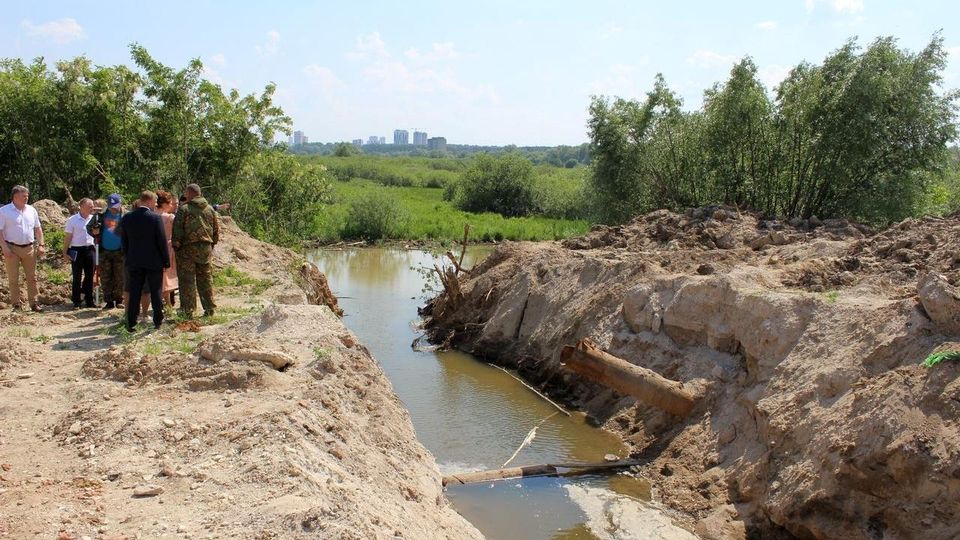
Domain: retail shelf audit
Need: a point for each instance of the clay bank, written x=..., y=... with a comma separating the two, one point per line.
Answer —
x=800, y=344
x=271, y=422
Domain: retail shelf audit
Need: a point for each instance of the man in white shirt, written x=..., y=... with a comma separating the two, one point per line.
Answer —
x=19, y=231
x=78, y=250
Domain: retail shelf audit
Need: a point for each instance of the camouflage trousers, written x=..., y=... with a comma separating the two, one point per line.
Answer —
x=195, y=275
x=111, y=275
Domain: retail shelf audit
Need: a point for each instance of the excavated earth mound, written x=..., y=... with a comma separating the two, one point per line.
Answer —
x=801, y=340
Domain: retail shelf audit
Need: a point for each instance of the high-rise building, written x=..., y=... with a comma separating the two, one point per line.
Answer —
x=305, y=140
x=437, y=143
x=383, y=140
x=401, y=136
x=357, y=142
x=420, y=138
x=298, y=138
x=373, y=139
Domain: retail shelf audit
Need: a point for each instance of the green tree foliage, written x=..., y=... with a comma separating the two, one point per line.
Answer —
x=91, y=130
x=857, y=136
x=375, y=215
x=345, y=149
x=501, y=184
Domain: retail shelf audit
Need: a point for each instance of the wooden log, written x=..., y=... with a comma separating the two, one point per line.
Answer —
x=647, y=386
x=547, y=469
x=499, y=474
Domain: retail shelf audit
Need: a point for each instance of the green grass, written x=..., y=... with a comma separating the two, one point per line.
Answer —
x=19, y=331
x=429, y=217
x=55, y=276
x=831, y=296
x=184, y=342
x=230, y=277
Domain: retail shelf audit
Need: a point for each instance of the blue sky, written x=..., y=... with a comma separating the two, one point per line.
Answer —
x=474, y=72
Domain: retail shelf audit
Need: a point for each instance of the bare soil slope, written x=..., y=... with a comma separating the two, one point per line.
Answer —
x=277, y=424
x=802, y=341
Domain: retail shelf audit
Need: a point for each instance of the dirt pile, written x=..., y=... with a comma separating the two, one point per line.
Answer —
x=219, y=442
x=802, y=341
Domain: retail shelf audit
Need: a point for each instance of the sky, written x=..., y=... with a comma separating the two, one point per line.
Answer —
x=481, y=72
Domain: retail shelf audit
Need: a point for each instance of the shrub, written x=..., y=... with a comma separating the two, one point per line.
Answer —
x=374, y=215
x=501, y=184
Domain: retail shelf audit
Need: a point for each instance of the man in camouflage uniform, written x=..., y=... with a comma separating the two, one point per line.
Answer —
x=195, y=232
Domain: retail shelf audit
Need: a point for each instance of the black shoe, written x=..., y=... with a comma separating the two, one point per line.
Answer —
x=109, y=305
x=91, y=305
x=76, y=306
x=131, y=329
x=208, y=313
x=119, y=305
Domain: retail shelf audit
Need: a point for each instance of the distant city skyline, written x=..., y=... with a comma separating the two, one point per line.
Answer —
x=503, y=73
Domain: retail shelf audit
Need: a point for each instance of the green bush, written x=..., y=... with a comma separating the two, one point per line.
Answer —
x=53, y=238
x=501, y=184
x=375, y=215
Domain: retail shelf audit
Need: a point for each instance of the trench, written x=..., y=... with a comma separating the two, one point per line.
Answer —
x=472, y=416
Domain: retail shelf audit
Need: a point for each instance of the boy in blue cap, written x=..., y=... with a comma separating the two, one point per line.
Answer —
x=104, y=227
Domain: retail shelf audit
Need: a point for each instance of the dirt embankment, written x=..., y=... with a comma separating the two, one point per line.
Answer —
x=277, y=424
x=802, y=341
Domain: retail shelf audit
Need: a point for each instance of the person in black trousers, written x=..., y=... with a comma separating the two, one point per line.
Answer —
x=145, y=255
x=78, y=250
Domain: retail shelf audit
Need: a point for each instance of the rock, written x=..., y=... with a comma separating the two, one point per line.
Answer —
x=941, y=301
x=726, y=241
x=706, y=269
x=25, y=375
x=168, y=422
x=611, y=458
x=147, y=490
x=75, y=428
x=167, y=470
x=722, y=524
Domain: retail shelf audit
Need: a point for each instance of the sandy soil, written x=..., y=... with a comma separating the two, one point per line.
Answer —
x=801, y=340
x=272, y=423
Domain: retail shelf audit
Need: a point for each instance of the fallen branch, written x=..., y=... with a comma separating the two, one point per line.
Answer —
x=532, y=434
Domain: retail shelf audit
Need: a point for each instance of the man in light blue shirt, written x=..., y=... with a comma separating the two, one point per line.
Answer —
x=104, y=229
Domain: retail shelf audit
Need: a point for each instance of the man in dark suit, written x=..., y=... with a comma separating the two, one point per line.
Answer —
x=145, y=255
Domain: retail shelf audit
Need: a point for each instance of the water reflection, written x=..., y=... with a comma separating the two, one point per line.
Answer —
x=470, y=415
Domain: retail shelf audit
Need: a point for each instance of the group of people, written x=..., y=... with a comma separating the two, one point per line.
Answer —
x=163, y=244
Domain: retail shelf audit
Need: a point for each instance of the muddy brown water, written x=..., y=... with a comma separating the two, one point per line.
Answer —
x=473, y=416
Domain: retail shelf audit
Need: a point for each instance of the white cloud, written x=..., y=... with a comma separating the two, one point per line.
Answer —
x=767, y=26
x=848, y=6
x=60, y=31
x=272, y=46
x=710, y=59
x=438, y=52
x=369, y=46
x=323, y=79
x=610, y=31
x=419, y=75
x=619, y=80
x=773, y=75
x=840, y=6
